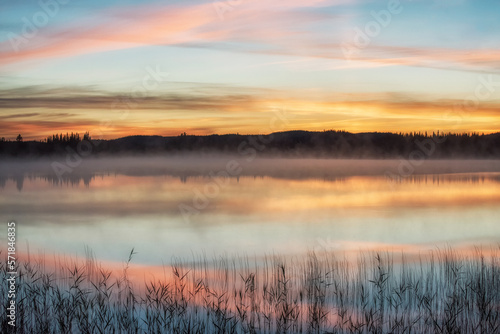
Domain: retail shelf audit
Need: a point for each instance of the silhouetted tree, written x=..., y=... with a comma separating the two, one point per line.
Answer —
x=19, y=138
x=329, y=143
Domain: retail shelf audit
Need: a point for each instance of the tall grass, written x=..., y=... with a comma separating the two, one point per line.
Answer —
x=442, y=292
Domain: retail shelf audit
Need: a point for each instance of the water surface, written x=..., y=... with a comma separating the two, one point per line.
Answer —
x=164, y=214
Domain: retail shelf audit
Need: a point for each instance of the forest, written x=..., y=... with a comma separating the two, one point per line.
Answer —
x=325, y=144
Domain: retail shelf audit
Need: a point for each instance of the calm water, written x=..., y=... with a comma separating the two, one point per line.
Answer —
x=163, y=216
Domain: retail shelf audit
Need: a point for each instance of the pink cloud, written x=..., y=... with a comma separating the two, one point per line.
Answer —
x=125, y=27
x=258, y=26
x=117, y=29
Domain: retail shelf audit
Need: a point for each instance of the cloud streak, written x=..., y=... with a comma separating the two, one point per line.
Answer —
x=221, y=110
x=257, y=27
x=117, y=28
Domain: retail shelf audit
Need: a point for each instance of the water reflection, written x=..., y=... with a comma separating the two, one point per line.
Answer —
x=76, y=179
x=112, y=212
x=69, y=180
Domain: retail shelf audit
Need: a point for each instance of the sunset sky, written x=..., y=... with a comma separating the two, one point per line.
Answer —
x=118, y=68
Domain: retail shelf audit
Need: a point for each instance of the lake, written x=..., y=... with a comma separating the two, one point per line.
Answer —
x=177, y=207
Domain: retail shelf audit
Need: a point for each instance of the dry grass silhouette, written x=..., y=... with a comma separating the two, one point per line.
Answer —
x=443, y=292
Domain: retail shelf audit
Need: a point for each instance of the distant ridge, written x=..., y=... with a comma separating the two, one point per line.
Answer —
x=298, y=143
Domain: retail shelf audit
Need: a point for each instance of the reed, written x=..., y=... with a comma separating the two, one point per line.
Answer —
x=441, y=292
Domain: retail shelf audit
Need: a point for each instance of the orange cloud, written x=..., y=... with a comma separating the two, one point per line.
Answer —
x=226, y=110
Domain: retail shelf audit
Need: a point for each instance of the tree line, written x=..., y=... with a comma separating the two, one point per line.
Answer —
x=331, y=143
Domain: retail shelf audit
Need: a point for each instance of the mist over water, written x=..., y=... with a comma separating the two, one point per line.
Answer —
x=166, y=207
x=60, y=169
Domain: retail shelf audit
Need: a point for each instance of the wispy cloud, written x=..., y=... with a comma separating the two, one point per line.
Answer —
x=117, y=28
x=216, y=109
x=283, y=28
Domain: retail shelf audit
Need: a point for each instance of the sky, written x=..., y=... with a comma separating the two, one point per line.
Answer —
x=118, y=68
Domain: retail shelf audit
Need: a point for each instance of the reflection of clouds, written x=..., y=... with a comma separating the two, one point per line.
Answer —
x=252, y=214
x=266, y=190
x=259, y=197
